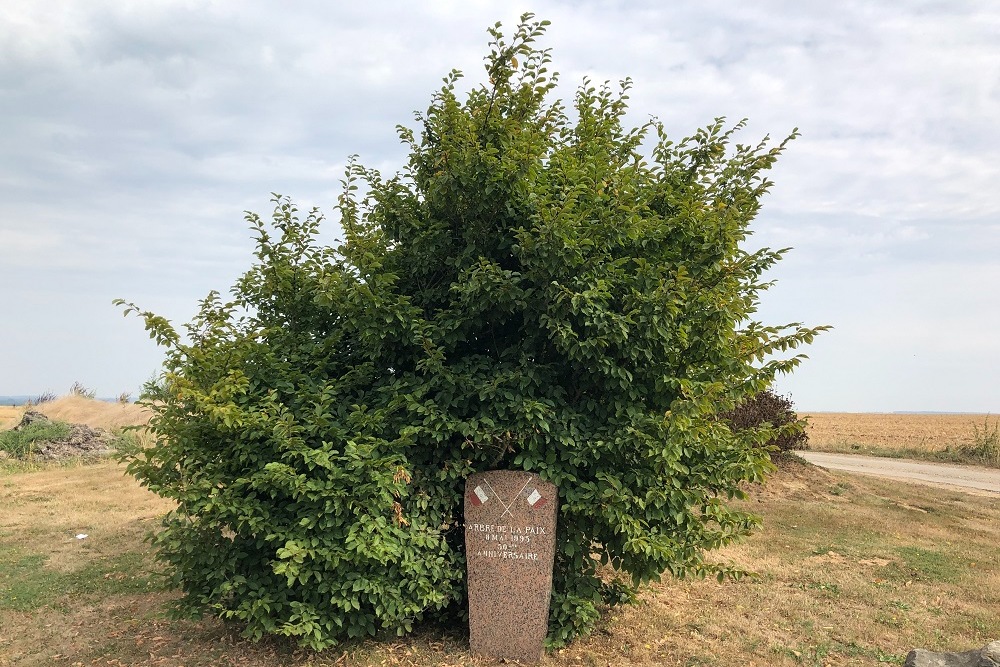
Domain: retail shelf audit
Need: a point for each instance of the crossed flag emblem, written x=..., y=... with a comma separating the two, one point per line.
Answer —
x=484, y=493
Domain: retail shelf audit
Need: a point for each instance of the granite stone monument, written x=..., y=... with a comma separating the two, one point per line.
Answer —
x=510, y=530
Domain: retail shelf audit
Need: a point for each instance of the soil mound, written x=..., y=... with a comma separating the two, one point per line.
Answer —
x=82, y=440
x=107, y=415
x=795, y=478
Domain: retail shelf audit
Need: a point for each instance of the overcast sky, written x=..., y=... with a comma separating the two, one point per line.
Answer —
x=133, y=135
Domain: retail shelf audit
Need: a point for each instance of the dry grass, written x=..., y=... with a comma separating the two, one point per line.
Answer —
x=883, y=433
x=853, y=571
x=54, y=505
x=9, y=416
x=97, y=414
x=82, y=410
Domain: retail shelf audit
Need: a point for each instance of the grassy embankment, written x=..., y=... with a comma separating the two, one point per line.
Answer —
x=852, y=571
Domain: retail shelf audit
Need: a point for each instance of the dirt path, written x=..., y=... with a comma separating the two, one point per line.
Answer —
x=938, y=474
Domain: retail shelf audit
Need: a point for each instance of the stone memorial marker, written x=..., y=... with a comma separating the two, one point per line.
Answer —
x=510, y=537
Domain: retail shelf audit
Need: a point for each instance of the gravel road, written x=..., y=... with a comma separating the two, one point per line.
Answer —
x=938, y=474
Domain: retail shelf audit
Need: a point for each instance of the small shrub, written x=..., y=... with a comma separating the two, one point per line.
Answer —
x=79, y=390
x=131, y=441
x=153, y=389
x=985, y=446
x=47, y=397
x=768, y=407
x=531, y=293
x=125, y=398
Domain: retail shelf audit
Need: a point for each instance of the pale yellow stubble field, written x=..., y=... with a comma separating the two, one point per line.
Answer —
x=9, y=415
x=840, y=431
x=828, y=431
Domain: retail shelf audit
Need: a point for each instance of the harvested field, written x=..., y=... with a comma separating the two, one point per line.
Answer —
x=879, y=432
x=9, y=416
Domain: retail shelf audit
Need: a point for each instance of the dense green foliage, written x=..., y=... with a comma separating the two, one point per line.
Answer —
x=768, y=409
x=530, y=292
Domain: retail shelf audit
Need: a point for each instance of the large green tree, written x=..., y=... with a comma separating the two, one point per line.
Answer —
x=540, y=288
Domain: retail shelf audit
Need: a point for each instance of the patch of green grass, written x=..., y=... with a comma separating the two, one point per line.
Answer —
x=986, y=627
x=20, y=588
x=129, y=442
x=20, y=443
x=853, y=649
x=827, y=588
x=946, y=455
x=12, y=466
x=840, y=488
x=27, y=585
x=983, y=450
x=927, y=565
x=807, y=653
x=891, y=620
x=121, y=574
